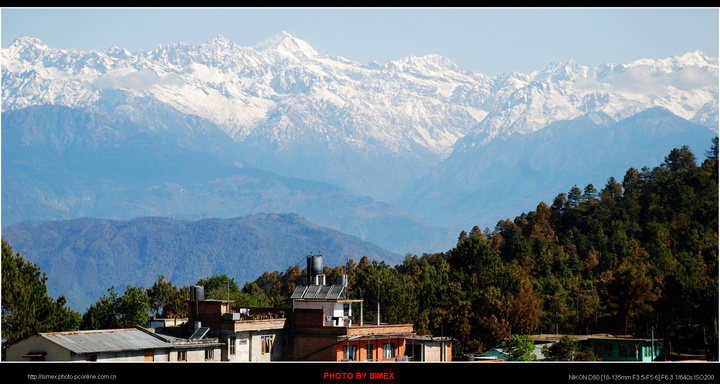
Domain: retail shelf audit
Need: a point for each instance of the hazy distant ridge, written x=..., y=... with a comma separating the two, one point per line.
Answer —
x=85, y=257
x=299, y=112
x=395, y=153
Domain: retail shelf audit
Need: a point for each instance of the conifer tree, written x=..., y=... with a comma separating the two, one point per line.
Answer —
x=27, y=309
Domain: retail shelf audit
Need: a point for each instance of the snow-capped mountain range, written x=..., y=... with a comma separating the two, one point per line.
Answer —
x=401, y=106
x=374, y=129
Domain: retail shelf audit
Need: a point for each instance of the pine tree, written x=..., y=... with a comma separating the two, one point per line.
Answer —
x=26, y=307
x=165, y=298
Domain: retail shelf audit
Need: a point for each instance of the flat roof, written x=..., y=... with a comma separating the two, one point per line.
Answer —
x=603, y=336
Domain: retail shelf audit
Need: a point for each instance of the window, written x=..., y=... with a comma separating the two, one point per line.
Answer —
x=624, y=350
x=370, y=352
x=90, y=357
x=266, y=343
x=388, y=351
x=607, y=349
x=149, y=355
x=209, y=354
x=182, y=356
x=350, y=352
x=231, y=345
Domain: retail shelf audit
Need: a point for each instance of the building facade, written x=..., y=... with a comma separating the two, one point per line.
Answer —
x=113, y=345
x=608, y=347
x=249, y=334
x=622, y=348
x=320, y=326
x=324, y=328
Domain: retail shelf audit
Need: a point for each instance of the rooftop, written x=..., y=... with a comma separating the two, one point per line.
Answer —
x=104, y=340
x=318, y=292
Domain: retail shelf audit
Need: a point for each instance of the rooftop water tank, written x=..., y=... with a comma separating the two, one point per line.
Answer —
x=197, y=293
x=317, y=265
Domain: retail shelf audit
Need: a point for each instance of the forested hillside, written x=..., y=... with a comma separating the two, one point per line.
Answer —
x=635, y=256
x=85, y=257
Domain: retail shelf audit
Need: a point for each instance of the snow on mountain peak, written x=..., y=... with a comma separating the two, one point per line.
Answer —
x=558, y=71
x=219, y=45
x=25, y=41
x=26, y=46
x=118, y=52
x=281, y=95
x=424, y=101
x=286, y=45
x=690, y=59
x=430, y=63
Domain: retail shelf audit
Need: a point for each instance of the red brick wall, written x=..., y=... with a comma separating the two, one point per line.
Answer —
x=211, y=311
x=309, y=317
x=315, y=348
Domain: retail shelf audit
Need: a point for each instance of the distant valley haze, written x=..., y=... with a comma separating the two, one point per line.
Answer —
x=359, y=158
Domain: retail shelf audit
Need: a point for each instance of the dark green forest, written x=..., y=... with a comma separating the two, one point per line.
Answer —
x=635, y=256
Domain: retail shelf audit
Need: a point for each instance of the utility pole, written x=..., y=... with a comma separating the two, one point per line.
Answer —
x=652, y=343
x=377, y=321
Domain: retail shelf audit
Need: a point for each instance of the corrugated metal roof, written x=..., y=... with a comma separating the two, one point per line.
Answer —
x=106, y=340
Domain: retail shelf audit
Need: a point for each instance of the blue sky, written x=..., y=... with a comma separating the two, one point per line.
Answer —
x=487, y=40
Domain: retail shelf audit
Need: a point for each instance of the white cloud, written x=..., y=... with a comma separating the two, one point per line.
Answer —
x=693, y=77
x=648, y=80
x=134, y=80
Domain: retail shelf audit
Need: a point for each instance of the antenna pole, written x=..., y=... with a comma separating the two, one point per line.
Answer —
x=378, y=303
